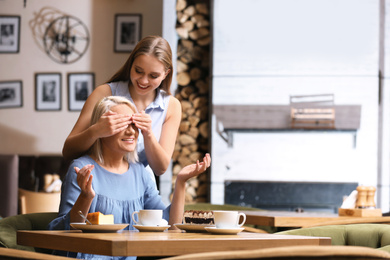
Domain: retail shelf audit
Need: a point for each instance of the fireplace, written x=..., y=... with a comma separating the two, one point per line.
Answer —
x=290, y=196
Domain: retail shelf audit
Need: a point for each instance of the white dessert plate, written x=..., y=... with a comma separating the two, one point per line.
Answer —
x=193, y=227
x=142, y=228
x=98, y=228
x=225, y=231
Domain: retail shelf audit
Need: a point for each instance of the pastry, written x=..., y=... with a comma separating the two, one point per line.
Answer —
x=97, y=218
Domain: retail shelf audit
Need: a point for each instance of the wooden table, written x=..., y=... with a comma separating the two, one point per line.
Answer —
x=167, y=243
x=291, y=219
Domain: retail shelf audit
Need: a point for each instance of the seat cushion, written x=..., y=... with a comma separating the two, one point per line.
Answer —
x=367, y=235
x=34, y=221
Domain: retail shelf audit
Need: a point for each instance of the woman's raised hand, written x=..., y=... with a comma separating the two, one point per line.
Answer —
x=195, y=169
x=143, y=122
x=84, y=180
x=111, y=123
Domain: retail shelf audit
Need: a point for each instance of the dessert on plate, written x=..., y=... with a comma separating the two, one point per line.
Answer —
x=97, y=218
x=198, y=217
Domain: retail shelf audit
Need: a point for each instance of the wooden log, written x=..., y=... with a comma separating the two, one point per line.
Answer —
x=184, y=161
x=202, y=113
x=184, y=126
x=205, y=41
x=195, y=73
x=182, y=17
x=196, y=156
x=189, y=25
x=186, y=58
x=190, y=10
x=183, y=78
x=202, y=23
x=181, y=4
x=200, y=102
x=190, y=111
x=187, y=91
x=197, y=18
x=185, y=139
x=175, y=155
x=198, y=53
x=185, y=106
x=181, y=66
x=185, y=151
x=181, y=51
x=193, y=182
x=193, y=147
x=202, y=8
x=199, y=34
x=193, y=121
x=182, y=32
x=193, y=132
x=204, y=129
x=202, y=86
x=187, y=44
x=176, y=169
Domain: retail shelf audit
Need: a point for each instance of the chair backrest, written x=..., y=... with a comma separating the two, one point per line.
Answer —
x=9, y=175
x=35, y=221
x=367, y=235
x=293, y=252
x=34, y=202
x=13, y=254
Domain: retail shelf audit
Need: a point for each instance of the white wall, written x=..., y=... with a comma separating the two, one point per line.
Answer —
x=280, y=48
x=26, y=131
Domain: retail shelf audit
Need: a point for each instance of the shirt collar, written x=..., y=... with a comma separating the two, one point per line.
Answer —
x=158, y=102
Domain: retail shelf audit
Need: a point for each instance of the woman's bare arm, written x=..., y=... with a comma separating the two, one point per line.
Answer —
x=83, y=135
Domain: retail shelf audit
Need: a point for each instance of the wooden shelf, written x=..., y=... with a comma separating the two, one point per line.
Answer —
x=276, y=118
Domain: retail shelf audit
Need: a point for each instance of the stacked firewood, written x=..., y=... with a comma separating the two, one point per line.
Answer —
x=193, y=28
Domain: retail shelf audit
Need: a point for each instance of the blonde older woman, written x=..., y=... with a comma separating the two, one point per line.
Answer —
x=109, y=180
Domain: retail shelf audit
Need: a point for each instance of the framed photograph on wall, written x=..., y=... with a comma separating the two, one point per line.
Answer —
x=9, y=33
x=47, y=91
x=80, y=86
x=11, y=94
x=127, y=31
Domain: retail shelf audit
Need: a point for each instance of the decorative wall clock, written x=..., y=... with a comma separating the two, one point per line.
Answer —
x=66, y=39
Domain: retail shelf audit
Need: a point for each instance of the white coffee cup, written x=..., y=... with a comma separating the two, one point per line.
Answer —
x=148, y=217
x=228, y=219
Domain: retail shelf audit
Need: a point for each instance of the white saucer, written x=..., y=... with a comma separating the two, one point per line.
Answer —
x=98, y=228
x=142, y=228
x=193, y=227
x=224, y=230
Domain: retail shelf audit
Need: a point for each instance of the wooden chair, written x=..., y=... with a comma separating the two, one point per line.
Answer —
x=12, y=254
x=348, y=221
x=34, y=202
x=293, y=252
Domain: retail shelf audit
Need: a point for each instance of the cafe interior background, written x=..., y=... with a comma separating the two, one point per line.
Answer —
x=250, y=52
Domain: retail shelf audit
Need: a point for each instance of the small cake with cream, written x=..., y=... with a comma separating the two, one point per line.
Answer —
x=97, y=218
x=198, y=217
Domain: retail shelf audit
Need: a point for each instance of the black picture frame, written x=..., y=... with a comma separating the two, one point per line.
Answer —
x=9, y=33
x=11, y=94
x=48, y=91
x=128, y=28
x=80, y=86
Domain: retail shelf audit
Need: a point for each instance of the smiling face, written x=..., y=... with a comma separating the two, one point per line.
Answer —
x=146, y=74
x=124, y=141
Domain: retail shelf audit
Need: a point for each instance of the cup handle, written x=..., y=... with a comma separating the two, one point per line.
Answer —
x=243, y=220
x=132, y=216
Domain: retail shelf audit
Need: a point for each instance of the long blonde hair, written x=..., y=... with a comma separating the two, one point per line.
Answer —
x=101, y=107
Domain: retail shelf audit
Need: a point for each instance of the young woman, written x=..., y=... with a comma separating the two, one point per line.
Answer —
x=109, y=179
x=145, y=80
